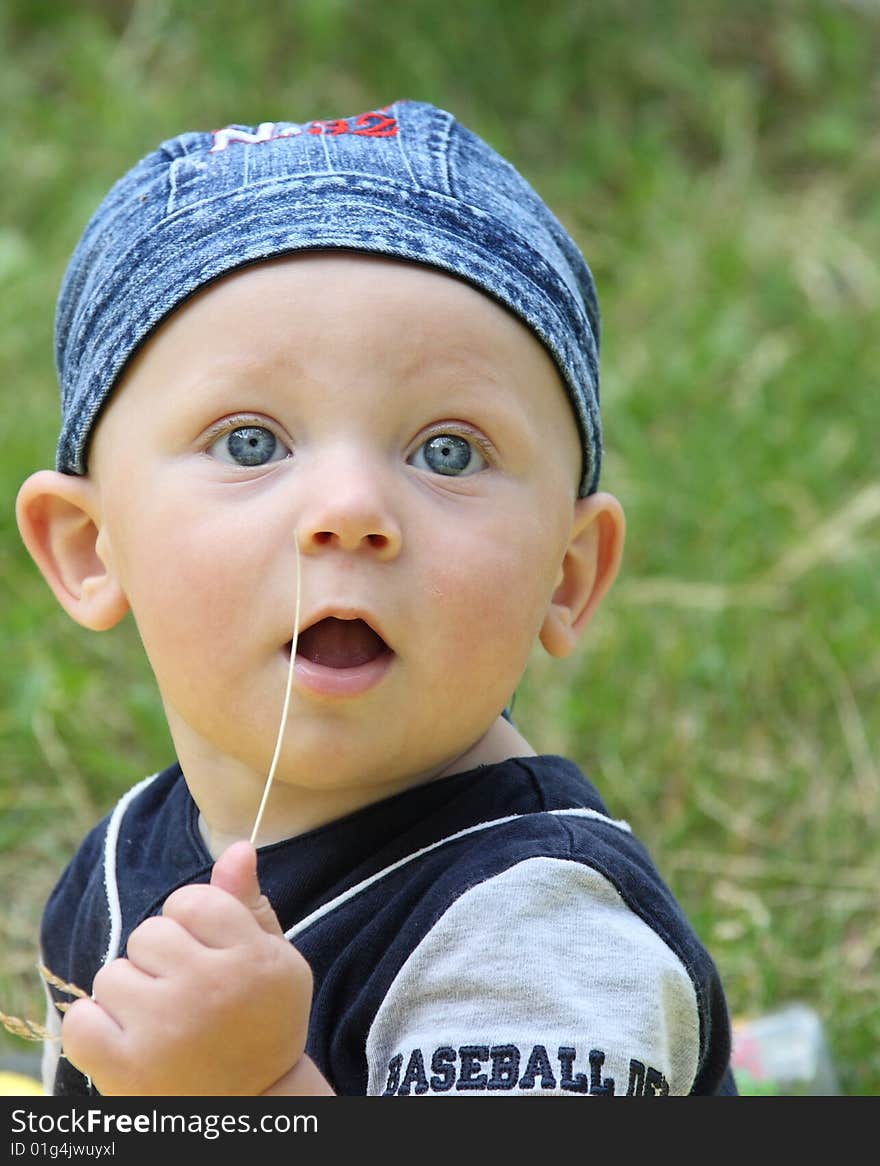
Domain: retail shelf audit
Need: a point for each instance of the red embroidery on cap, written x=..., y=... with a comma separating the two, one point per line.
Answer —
x=375, y=125
x=333, y=127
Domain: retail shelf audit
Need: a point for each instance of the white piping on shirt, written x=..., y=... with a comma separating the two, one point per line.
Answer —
x=110, y=885
x=326, y=908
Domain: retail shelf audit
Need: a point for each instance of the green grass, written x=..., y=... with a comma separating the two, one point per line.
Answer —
x=720, y=164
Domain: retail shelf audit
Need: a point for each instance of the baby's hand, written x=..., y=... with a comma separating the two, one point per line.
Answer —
x=212, y=999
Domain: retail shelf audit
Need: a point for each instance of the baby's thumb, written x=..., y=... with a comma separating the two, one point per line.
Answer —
x=235, y=871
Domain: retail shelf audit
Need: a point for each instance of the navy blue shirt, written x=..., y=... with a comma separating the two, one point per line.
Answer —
x=492, y=931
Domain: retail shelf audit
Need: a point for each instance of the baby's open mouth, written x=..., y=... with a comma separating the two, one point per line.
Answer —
x=340, y=643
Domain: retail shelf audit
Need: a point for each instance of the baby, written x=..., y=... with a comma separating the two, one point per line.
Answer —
x=360, y=355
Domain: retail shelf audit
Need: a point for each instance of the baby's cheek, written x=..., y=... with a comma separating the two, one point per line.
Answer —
x=505, y=607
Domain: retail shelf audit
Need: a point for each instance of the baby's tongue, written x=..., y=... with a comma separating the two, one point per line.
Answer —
x=340, y=643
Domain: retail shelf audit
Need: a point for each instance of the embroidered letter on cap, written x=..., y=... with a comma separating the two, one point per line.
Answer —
x=266, y=132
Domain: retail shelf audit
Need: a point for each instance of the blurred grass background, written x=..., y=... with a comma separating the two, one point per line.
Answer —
x=720, y=164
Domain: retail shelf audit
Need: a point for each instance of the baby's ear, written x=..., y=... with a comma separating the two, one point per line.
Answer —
x=58, y=516
x=588, y=569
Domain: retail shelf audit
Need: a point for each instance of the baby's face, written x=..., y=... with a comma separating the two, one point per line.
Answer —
x=416, y=442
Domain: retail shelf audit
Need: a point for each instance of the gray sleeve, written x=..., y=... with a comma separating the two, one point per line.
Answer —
x=540, y=981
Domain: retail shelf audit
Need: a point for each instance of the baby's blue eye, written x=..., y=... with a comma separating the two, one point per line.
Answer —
x=448, y=454
x=248, y=445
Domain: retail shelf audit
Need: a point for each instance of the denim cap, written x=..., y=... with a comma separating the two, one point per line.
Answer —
x=407, y=181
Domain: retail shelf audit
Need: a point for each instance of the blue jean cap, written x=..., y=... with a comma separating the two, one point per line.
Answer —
x=407, y=181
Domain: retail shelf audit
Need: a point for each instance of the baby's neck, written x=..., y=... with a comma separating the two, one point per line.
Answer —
x=502, y=741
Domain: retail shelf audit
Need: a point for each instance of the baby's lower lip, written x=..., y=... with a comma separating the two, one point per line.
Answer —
x=322, y=680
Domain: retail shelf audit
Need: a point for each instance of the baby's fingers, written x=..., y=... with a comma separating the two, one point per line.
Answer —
x=160, y=945
x=90, y=1037
x=123, y=991
x=212, y=915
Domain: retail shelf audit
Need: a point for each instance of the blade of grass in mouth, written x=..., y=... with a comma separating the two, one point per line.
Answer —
x=285, y=708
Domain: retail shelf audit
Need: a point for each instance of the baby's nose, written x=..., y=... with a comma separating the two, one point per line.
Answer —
x=345, y=536
x=351, y=514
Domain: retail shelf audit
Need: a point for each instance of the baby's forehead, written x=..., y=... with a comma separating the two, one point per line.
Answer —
x=399, y=308
x=317, y=317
